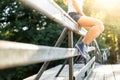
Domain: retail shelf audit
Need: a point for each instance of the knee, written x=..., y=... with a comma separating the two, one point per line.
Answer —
x=99, y=23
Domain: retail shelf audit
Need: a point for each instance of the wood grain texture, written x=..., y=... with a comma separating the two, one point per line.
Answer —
x=18, y=54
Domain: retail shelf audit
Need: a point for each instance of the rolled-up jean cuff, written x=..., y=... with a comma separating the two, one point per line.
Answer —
x=74, y=15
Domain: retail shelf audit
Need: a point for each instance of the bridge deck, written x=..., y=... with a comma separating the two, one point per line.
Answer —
x=64, y=75
x=105, y=72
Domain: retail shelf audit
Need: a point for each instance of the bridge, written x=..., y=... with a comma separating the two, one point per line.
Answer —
x=13, y=54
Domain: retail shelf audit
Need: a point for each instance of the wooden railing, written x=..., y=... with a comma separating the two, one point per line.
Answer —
x=14, y=54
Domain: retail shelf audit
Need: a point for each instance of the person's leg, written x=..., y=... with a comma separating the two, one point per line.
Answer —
x=95, y=28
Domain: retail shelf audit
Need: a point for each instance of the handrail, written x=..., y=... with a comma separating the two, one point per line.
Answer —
x=17, y=54
x=31, y=54
x=58, y=43
x=55, y=13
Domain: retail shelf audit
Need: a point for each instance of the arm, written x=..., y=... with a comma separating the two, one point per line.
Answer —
x=77, y=8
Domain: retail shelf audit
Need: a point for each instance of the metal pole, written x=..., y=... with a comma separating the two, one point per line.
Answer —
x=78, y=57
x=58, y=43
x=62, y=37
x=44, y=66
x=98, y=50
x=67, y=60
x=61, y=68
x=70, y=45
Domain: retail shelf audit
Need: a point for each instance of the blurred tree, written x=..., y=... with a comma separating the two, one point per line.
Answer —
x=110, y=37
x=22, y=24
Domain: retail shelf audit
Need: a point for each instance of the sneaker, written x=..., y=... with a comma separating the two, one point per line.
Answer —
x=83, y=50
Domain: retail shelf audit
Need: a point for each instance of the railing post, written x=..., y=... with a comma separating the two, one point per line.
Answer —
x=99, y=55
x=67, y=59
x=70, y=45
x=62, y=37
x=58, y=43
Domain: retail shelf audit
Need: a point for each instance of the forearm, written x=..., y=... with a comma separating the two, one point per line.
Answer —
x=77, y=8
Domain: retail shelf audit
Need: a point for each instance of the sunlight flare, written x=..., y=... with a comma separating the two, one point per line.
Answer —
x=110, y=7
x=108, y=4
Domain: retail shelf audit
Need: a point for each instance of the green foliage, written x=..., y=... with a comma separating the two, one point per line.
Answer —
x=22, y=24
x=18, y=73
x=61, y=4
x=110, y=37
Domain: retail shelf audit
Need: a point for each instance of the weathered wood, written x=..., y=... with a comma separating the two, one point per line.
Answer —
x=108, y=72
x=70, y=45
x=62, y=37
x=42, y=69
x=89, y=73
x=58, y=43
x=55, y=13
x=64, y=75
x=18, y=54
x=99, y=75
x=47, y=75
x=105, y=72
x=76, y=69
x=93, y=75
x=84, y=69
x=116, y=71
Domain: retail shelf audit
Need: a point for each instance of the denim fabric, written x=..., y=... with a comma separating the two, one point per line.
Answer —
x=74, y=15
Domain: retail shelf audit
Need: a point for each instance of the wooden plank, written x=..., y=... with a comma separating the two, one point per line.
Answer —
x=91, y=73
x=84, y=69
x=51, y=73
x=105, y=72
x=116, y=71
x=97, y=73
x=76, y=68
x=48, y=74
x=18, y=54
x=99, y=70
x=91, y=76
x=53, y=11
x=108, y=72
